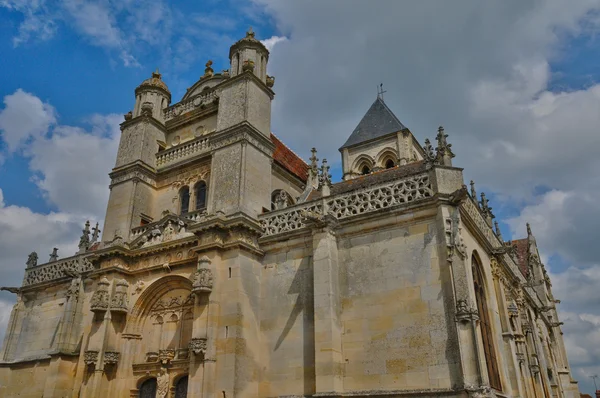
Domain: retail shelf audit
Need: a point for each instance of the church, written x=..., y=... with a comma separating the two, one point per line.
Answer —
x=229, y=267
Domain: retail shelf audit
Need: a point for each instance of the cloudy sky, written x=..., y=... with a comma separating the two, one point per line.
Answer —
x=513, y=82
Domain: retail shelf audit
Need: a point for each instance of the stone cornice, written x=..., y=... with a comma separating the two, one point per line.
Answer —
x=138, y=171
x=143, y=119
x=248, y=75
x=242, y=132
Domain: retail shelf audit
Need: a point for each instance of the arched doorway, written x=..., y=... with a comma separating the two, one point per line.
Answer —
x=181, y=387
x=148, y=389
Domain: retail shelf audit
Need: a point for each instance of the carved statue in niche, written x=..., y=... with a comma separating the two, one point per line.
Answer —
x=162, y=383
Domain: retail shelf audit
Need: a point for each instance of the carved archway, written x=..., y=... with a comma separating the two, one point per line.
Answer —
x=387, y=158
x=363, y=164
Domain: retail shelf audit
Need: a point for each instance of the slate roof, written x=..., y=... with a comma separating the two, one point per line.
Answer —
x=287, y=159
x=377, y=122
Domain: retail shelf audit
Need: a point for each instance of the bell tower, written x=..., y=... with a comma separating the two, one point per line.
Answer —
x=133, y=178
x=241, y=162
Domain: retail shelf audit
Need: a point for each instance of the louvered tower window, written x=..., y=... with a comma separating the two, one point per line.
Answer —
x=485, y=326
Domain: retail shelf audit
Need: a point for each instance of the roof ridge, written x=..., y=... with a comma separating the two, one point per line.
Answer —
x=290, y=149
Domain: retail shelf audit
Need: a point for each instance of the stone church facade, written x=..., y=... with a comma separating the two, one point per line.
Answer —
x=229, y=267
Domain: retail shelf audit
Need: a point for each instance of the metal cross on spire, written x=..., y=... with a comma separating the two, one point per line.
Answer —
x=380, y=91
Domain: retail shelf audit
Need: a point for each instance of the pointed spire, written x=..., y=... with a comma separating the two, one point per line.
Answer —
x=95, y=233
x=429, y=156
x=54, y=255
x=486, y=209
x=324, y=179
x=498, y=232
x=84, y=240
x=444, y=150
x=473, y=192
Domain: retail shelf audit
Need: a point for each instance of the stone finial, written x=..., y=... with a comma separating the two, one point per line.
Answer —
x=314, y=166
x=54, y=255
x=443, y=150
x=128, y=116
x=208, y=72
x=84, y=240
x=473, y=192
x=324, y=178
x=250, y=32
x=486, y=209
x=95, y=233
x=429, y=156
x=498, y=232
x=156, y=74
x=32, y=260
x=529, y=230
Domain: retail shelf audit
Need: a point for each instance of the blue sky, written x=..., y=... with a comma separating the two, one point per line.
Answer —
x=514, y=83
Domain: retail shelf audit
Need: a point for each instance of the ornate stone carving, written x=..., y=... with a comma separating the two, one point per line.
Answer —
x=270, y=81
x=152, y=356
x=289, y=220
x=147, y=108
x=173, y=303
x=202, y=280
x=120, y=302
x=465, y=312
x=168, y=229
x=32, y=260
x=73, y=290
x=520, y=357
x=429, y=156
x=248, y=65
x=111, y=357
x=443, y=150
x=208, y=72
x=128, y=116
x=324, y=179
x=90, y=357
x=166, y=356
x=482, y=391
x=57, y=269
x=99, y=301
x=198, y=345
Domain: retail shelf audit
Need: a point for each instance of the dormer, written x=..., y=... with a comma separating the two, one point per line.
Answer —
x=379, y=141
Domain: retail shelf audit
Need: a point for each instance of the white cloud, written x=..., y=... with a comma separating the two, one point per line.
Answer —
x=272, y=41
x=24, y=116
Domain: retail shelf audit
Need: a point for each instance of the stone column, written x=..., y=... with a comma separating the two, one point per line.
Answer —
x=327, y=308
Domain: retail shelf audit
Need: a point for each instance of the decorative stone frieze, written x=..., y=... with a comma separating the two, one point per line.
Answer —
x=111, y=357
x=90, y=357
x=198, y=345
x=99, y=301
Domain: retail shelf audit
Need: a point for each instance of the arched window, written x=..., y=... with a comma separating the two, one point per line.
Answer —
x=365, y=170
x=389, y=164
x=181, y=387
x=184, y=200
x=148, y=389
x=200, y=193
x=485, y=325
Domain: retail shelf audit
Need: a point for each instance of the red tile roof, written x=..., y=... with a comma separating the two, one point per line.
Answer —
x=522, y=248
x=287, y=159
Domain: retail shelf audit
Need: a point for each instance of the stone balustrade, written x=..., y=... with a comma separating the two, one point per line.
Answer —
x=349, y=204
x=196, y=101
x=182, y=151
x=57, y=269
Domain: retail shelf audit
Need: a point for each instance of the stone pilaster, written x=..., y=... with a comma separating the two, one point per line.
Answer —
x=327, y=309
